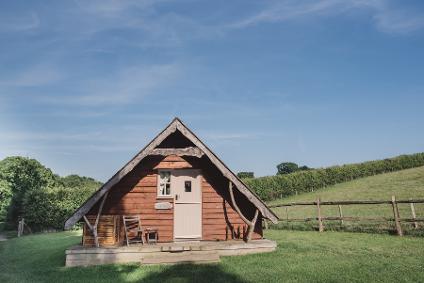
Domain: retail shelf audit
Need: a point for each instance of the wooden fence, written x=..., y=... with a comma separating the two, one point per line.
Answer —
x=393, y=203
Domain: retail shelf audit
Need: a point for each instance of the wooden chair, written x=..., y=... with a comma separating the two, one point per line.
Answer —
x=133, y=229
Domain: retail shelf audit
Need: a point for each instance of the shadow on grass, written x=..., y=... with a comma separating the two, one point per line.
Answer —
x=192, y=273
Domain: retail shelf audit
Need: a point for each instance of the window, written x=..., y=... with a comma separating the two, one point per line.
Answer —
x=164, y=183
x=187, y=186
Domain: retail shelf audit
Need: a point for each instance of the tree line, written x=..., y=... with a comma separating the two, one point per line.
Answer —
x=30, y=190
x=292, y=179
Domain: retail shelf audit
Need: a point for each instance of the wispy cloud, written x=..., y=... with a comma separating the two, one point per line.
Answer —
x=36, y=75
x=127, y=85
x=26, y=22
x=386, y=16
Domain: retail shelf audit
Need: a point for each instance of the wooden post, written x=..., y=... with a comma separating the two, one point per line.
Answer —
x=93, y=228
x=265, y=224
x=341, y=215
x=287, y=214
x=396, y=216
x=21, y=227
x=252, y=223
x=321, y=226
x=414, y=216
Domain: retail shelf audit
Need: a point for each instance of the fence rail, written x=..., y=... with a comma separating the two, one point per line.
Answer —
x=393, y=202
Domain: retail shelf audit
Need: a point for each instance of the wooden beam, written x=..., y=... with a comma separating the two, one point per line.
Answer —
x=93, y=228
x=321, y=226
x=347, y=202
x=396, y=216
x=187, y=151
x=414, y=215
x=341, y=215
x=252, y=223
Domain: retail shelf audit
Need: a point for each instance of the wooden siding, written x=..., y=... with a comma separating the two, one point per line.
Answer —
x=136, y=194
x=220, y=221
x=108, y=231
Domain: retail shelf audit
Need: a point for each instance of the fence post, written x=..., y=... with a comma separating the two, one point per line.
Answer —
x=287, y=214
x=321, y=226
x=414, y=216
x=20, y=227
x=341, y=215
x=396, y=216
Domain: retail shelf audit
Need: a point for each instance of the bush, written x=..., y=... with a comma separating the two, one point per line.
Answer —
x=244, y=175
x=50, y=207
x=273, y=187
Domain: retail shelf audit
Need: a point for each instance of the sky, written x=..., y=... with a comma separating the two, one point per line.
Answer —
x=85, y=84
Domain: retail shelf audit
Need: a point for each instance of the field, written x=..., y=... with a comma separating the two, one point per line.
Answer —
x=302, y=256
x=403, y=184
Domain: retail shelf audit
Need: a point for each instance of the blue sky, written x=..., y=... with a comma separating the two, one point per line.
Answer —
x=85, y=84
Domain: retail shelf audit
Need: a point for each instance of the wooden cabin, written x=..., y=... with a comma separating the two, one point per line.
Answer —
x=178, y=188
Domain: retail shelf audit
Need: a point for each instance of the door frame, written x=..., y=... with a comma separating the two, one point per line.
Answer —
x=188, y=238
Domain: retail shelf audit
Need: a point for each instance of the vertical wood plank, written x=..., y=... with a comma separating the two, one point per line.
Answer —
x=414, y=216
x=320, y=225
x=396, y=216
x=341, y=215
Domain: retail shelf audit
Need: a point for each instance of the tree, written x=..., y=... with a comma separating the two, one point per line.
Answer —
x=76, y=181
x=244, y=175
x=18, y=176
x=5, y=198
x=304, y=168
x=287, y=168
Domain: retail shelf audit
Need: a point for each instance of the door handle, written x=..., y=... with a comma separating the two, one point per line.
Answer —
x=176, y=196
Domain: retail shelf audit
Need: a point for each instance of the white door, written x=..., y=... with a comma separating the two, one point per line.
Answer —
x=186, y=187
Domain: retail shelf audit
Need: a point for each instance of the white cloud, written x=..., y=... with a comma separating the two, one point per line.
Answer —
x=386, y=16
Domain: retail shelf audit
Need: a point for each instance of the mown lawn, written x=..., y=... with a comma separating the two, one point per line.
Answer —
x=403, y=184
x=300, y=257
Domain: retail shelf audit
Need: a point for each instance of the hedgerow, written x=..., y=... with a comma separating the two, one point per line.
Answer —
x=274, y=187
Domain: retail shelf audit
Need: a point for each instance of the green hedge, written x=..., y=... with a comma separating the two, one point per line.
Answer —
x=50, y=207
x=274, y=187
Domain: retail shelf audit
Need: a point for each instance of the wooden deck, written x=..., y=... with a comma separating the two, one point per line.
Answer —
x=166, y=253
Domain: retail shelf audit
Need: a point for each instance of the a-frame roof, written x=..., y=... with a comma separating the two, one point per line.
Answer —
x=175, y=125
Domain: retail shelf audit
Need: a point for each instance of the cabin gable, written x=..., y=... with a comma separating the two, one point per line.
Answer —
x=225, y=208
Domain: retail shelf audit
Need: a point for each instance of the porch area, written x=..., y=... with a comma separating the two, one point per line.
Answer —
x=166, y=253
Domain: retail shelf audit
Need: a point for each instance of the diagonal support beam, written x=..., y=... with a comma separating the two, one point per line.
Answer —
x=251, y=223
x=93, y=228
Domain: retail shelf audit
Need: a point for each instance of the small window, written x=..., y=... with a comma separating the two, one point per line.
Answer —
x=164, y=183
x=187, y=186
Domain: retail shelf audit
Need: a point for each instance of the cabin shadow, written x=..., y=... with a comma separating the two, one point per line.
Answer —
x=192, y=273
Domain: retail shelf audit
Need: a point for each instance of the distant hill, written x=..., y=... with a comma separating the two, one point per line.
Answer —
x=404, y=184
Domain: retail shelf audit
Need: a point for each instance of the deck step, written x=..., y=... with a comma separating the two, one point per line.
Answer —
x=181, y=257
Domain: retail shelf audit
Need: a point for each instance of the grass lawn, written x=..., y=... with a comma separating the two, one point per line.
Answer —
x=301, y=256
x=403, y=184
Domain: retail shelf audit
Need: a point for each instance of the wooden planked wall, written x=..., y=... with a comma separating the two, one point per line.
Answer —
x=219, y=220
x=136, y=194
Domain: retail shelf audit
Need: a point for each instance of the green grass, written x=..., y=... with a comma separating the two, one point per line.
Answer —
x=403, y=184
x=301, y=256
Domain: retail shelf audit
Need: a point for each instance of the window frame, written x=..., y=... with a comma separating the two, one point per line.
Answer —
x=159, y=190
